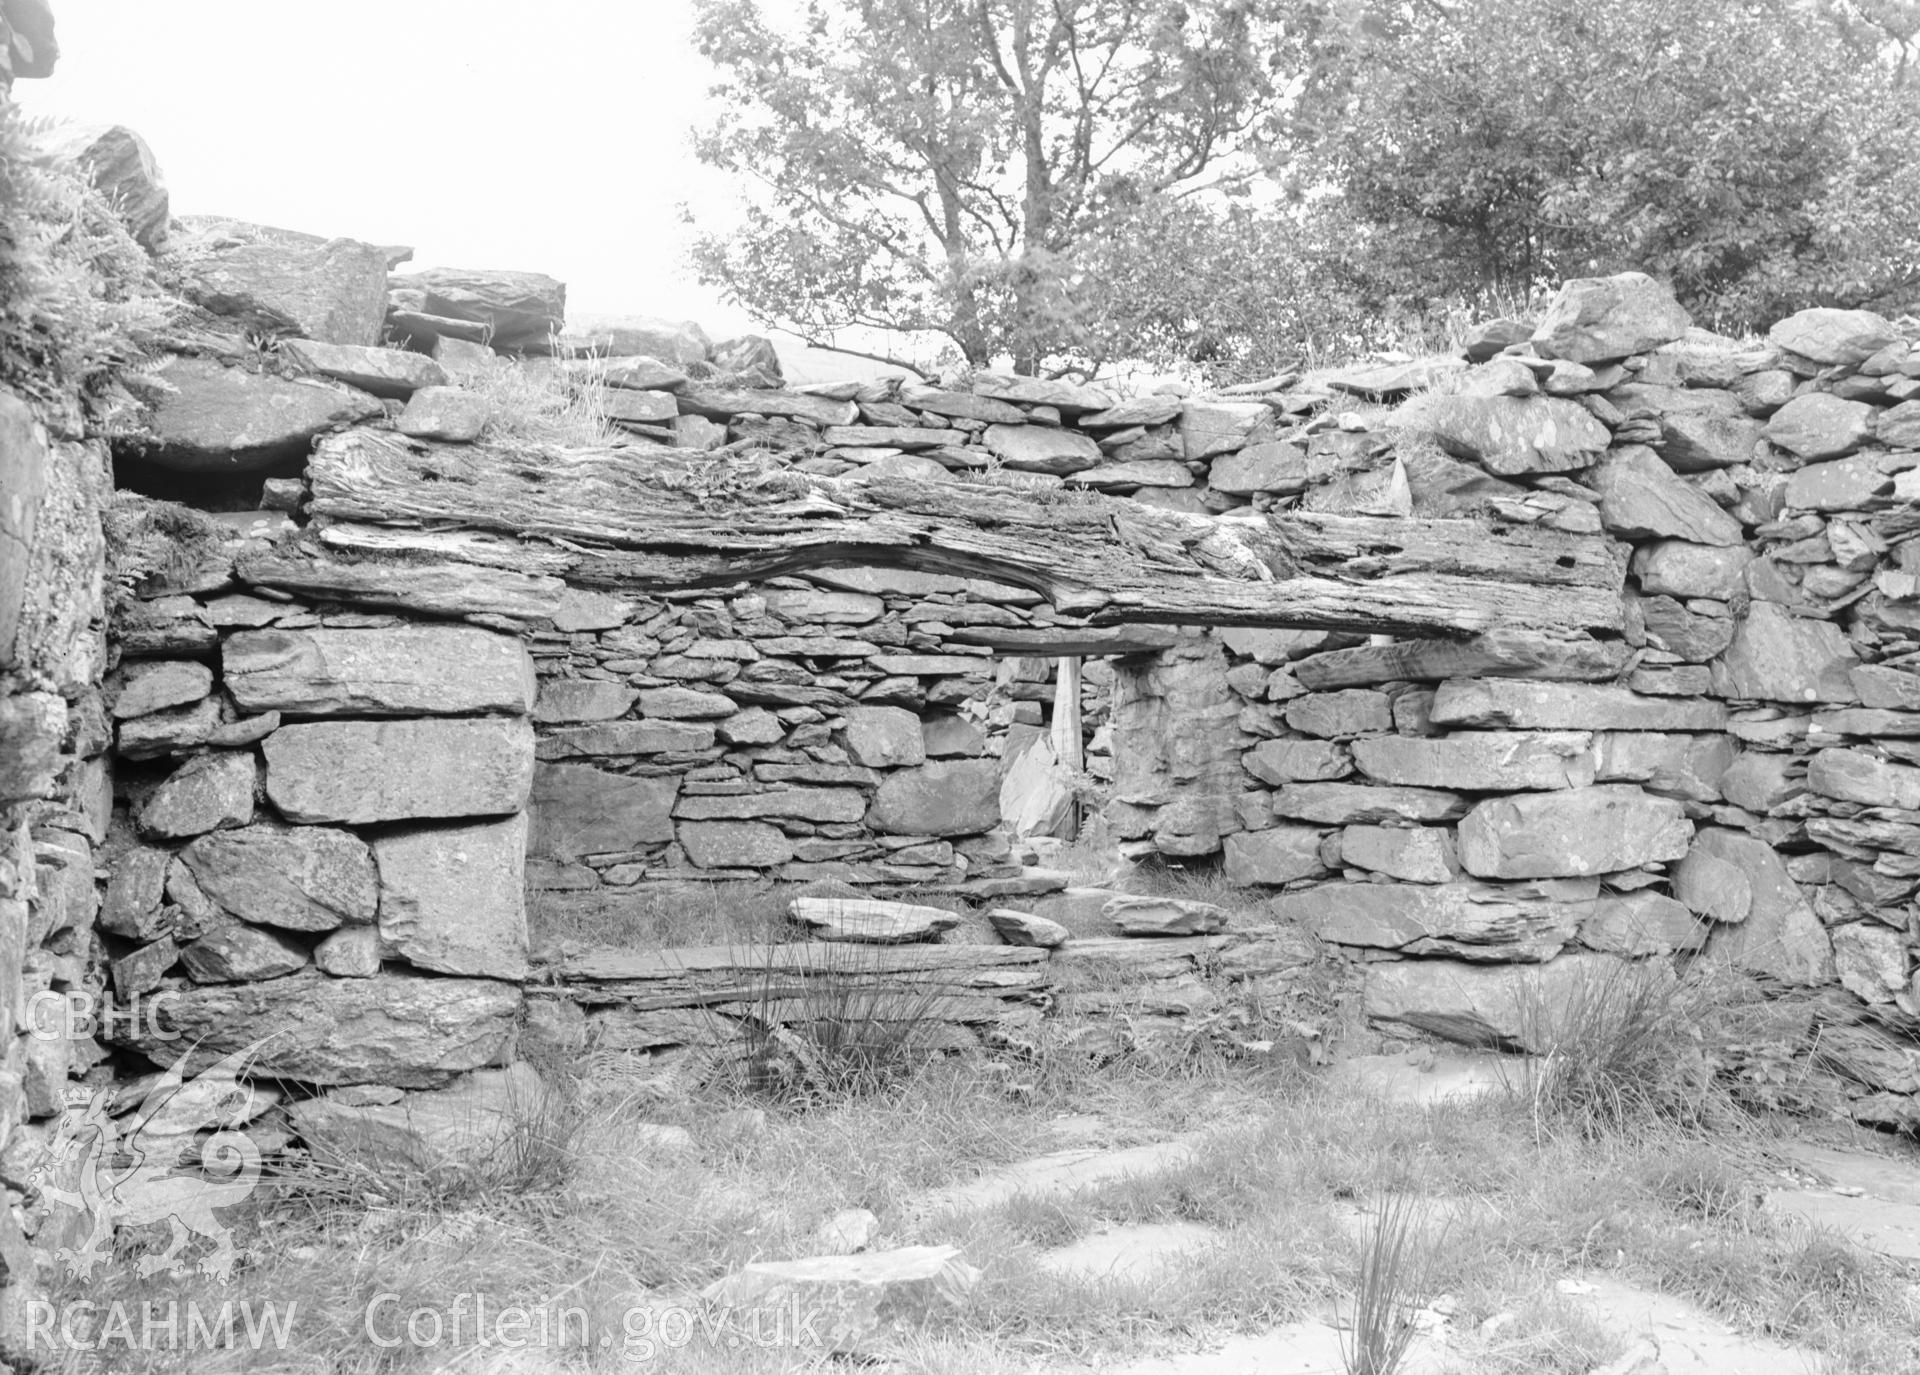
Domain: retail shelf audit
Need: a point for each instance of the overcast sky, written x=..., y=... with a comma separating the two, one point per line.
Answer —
x=548, y=137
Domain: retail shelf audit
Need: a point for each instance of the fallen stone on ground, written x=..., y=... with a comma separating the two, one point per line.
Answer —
x=861, y=1299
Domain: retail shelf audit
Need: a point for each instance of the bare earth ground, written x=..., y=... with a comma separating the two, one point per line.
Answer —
x=1153, y=1216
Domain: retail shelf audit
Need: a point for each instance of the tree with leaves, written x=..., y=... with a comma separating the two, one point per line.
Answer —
x=1761, y=155
x=940, y=168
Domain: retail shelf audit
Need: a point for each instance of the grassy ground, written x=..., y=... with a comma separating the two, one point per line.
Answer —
x=599, y=1210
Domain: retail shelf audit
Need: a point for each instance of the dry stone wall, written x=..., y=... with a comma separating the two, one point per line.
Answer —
x=1730, y=775
x=345, y=747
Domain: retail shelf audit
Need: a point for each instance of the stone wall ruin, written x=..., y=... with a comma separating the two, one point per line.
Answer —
x=1596, y=642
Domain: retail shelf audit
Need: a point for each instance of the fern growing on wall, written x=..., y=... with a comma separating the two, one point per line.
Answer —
x=77, y=294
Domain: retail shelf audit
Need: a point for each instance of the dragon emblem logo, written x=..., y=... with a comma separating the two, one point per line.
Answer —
x=179, y=1158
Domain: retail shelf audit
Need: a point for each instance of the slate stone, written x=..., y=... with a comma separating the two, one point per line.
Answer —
x=147, y=737
x=1026, y=929
x=1154, y=916
x=1819, y=425
x=1134, y=410
x=1686, y=634
x=754, y=726
x=1776, y=656
x=567, y=700
x=1480, y=760
x=406, y=670
x=1273, y=466
x=1890, y=689
x=1711, y=887
x=1601, y=319
x=1683, y=765
x=446, y=414
x=1870, y=960
x=514, y=310
x=633, y=373
x=452, y=898
x=1513, y=703
x=123, y=170
x=439, y=1134
x=1781, y=938
x=1641, y=498
x=210, y=793
x=1764, y=392
x=1760, y=782
x=238, y=953
x=799, y=804
x=276, y=282
x=871, y=921
x=961, y=405
x=678, y=343
x=1293, y=761
x=813, y=605
x=613, y=739
x=1412, y=854
x=1071, y=399
x=1164, y=474
x=637, y=407
x=1486, y=1004
x=685, y=704
x=298, y=878
x=1276, y=855
x=214, y=419
x=1641, y=924
x=1342, y=804
x=862, y=1299
x=1833, y=337
x=1380, y=380
x=1474, y=920
x=384, y=372
x=366, y=771
x=1676, y=568
x=1860, y=483
x=1510, y=435
x=951, y=736
x=1857, y=776
x=722, y=403
x=131, y=907
x=942, y=798
x=884, y=737
x=1703, y=430
x=576, y=809
x=1042, y=449
x=144, y=688
x=1208, y=428
x=1340, y=715
x=409, y=1031
x=352, y=952
x=734, y=844
x=1574, y=833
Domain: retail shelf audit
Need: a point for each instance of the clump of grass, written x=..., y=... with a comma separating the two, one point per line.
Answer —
x=828, y=1022
x=537, y=402
x=1613, y=1049
x=1395, y=1264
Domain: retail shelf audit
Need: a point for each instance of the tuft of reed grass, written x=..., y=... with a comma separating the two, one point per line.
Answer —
x=1613, y=1049
x=827, y=1023
x=1396, y=1260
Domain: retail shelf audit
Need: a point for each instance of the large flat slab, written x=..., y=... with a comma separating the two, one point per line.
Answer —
x=360, y=772
x=413, y=670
